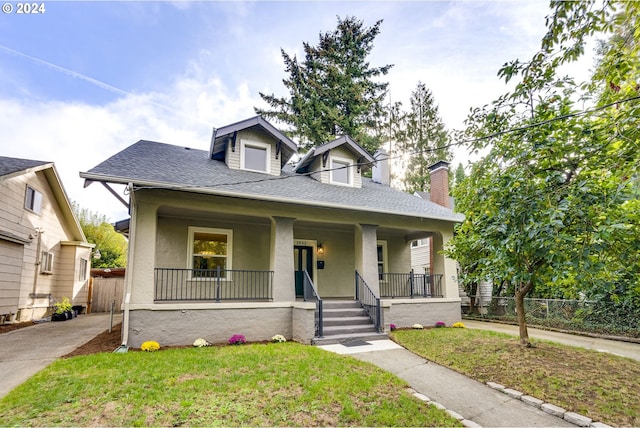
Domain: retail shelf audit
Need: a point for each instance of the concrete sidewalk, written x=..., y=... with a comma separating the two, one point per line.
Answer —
x=472, y=400
x=620, y=348
x=28, y=350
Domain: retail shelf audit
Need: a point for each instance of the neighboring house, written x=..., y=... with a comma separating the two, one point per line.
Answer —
x=235, y=240
x=44, y=255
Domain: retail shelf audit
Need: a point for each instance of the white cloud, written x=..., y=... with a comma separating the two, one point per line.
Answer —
x=78, y=136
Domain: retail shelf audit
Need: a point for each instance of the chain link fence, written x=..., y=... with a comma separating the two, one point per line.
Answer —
x=576, y=315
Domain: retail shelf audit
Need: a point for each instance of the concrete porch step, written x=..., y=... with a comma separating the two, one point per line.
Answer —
x=340, y=304
x=342, y=312
x=349, y=329
x=334, y=321
x=346, y=338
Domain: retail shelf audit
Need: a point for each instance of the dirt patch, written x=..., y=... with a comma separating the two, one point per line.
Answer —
x=104, y=342
x=5, y=328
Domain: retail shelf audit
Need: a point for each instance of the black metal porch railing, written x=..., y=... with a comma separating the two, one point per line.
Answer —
x=212, y=285
x=310, y=294
x=370, y=302
x=410, y=285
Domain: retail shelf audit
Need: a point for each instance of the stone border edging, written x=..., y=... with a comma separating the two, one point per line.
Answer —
x=466, y=422
x=574, y=418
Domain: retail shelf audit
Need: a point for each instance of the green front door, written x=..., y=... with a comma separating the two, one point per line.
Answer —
x=303, y=260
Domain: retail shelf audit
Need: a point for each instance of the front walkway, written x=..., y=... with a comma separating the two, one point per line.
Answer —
x=474, y=401
x=623, y=349
x=28, y=350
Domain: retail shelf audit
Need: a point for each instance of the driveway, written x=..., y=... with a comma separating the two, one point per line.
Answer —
x=28, y=350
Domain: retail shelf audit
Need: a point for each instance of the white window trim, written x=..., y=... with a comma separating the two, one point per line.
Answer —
x=46, y=262
x=257, y=145
x=350, y=173
x=385, y=257
x=35, y=205
x=84, y=269
x=193, y=230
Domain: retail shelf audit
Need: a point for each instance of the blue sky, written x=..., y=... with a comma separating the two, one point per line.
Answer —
x=86, y=79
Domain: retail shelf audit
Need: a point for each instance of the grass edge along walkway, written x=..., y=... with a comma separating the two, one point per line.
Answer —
x=283, y=384
x=601, y=386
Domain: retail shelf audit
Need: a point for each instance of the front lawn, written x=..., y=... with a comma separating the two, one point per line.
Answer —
x=602, y=386
x=251, y=385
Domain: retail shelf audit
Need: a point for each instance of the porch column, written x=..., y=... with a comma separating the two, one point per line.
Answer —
x=444, y=265
x=367, y=255
x=284, y=288
x=142, y=252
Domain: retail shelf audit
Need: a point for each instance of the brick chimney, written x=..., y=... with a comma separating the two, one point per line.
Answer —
x=439, y=173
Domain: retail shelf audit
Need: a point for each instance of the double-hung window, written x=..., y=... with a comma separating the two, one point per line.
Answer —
x=210, y=249
x=84, y=269
x=255, y=156
x=382, y=258
x=33, y=200
x=341, y=172
x=46, y=262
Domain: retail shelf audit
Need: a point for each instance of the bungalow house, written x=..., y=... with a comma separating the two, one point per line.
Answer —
x=44, y=255
x=235, y=240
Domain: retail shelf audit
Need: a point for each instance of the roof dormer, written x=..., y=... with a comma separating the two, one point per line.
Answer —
x=340, y=162
x=252, y=145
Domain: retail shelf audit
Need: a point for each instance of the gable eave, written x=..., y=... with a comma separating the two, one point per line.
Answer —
x=454, y=218
x=64, y=203
x=220, y=136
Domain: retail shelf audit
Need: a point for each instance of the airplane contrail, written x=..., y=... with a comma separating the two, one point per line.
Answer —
x=91, y=80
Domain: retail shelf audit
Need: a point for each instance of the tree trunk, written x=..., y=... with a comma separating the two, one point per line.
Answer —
x=520, y=313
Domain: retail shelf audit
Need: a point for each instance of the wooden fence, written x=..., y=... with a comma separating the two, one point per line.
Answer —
x=104, y=291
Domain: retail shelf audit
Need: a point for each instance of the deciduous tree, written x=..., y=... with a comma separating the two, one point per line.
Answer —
x=552, y=204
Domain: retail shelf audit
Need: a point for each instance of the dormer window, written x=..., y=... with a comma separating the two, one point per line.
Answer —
x=255, y=156
x=341, y=172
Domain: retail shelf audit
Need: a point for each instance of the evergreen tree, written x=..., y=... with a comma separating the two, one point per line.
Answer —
x=425, y=139
x=459, y=175
x=333, y=91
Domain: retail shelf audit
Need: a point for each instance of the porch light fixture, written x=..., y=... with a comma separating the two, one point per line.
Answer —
x=320, y=250
x=96, y=254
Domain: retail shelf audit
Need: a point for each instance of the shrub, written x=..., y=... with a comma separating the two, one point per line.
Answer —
x=458, y=325
x=200, y=343
x=237, y=339
x=150, y=346
x=418, y=326
x=392, y=327
x=278, y=338
x=440, y=324
x=64, y=306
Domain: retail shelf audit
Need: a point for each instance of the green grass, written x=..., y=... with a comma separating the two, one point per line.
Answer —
x=601, y=386
x=284, y=384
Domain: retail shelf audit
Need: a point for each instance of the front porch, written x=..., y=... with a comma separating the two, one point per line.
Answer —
x=212, y=267
x=188, y=286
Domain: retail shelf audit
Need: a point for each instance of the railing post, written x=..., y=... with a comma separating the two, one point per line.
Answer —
x=378, y=316
x=357, y=288
x=411, y=279
x=320, y=329
x=218, y=284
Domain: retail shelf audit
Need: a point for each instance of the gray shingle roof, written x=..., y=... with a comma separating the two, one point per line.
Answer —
x=12, y=165
x=157, y=164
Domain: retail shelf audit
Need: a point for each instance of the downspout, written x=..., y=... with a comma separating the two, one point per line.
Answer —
x=39, y=232
x=128, y=275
